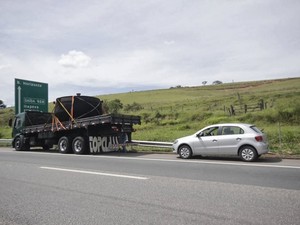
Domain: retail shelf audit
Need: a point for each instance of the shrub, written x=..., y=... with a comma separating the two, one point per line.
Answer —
x=133, y=107
x=113, y=106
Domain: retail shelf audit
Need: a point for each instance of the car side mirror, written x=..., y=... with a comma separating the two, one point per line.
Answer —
x=10, y=122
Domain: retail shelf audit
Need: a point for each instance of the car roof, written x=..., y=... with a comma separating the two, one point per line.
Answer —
x=232, y=124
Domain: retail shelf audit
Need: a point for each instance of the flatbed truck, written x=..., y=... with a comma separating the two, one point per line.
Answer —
x=78, y=124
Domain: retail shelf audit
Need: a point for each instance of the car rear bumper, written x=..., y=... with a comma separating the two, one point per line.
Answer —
x=262, y=148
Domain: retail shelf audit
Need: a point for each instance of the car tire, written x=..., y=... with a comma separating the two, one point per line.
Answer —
x=185, y=152
x=79, y=145
x=248, y=154
x=64, y=145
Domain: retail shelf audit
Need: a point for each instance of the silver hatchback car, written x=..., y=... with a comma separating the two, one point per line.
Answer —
x=244, y=140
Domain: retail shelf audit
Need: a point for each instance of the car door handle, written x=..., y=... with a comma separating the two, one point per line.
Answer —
x=214, y=140
x=238, y=139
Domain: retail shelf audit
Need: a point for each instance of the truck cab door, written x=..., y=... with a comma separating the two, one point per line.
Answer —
x=17, y=126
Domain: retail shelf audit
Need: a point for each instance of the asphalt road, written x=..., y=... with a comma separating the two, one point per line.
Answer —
x=50, y=188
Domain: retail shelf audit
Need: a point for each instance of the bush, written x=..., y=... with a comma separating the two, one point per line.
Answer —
x=133, y=107
x=146, y=117
x=113, y=106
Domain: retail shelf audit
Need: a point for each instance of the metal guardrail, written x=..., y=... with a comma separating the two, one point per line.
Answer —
x=5, y=140
x=153, y=144
x=137, y=142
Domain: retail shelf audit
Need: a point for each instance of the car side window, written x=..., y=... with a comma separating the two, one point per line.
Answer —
x=210, y=131
x=229, y=130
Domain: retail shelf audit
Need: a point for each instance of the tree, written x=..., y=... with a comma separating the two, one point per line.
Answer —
x=204, y=82
x=2, y=106
x=217, y=82
x=114, y=106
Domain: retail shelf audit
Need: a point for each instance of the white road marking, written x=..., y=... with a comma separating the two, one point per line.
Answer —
x=94, y=173
x=249, y=164
x=202, y=162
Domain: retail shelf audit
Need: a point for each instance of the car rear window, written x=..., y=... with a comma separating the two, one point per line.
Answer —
x=256, y=129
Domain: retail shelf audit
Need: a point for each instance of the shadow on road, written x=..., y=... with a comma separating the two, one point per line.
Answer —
x=262, y=159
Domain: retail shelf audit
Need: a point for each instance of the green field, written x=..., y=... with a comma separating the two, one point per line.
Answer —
x=272, y=105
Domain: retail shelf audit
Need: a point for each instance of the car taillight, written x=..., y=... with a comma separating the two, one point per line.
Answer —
x=259, y=138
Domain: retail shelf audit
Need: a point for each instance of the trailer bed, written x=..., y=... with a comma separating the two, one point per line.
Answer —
x=83, y=123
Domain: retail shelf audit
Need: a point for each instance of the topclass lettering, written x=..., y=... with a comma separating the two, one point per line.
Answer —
x=103, y=144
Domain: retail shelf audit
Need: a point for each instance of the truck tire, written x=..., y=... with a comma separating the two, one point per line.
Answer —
x=79, y=145
x=20, y=144
x=64, y=145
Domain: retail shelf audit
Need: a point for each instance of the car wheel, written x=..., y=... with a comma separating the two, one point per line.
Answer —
x=64, y=145
x=185, y=152
x=79, y=145
x=248, y=153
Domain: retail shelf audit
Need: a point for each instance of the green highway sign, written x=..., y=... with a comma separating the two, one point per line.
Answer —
x=30, y=95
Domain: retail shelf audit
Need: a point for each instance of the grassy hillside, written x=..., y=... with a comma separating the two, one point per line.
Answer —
x=172, y=113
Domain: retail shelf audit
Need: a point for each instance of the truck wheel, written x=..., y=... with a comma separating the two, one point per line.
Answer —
x=64, y=145
x=79, y=145
x=19, y=146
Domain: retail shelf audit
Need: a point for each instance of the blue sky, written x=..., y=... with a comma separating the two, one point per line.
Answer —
x=112, y=46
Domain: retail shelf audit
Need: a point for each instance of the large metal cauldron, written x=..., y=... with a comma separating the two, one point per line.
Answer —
x=77, y=107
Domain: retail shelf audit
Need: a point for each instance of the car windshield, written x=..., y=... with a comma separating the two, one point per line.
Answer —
x=256, y=129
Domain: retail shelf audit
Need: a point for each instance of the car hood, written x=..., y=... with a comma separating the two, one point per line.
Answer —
x=183, y=139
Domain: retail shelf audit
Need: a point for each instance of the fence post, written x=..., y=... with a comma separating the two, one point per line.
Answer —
x=232, y=110
x=261, y=104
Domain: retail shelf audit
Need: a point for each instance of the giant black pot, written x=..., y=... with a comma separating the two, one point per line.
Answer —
x=77, y=107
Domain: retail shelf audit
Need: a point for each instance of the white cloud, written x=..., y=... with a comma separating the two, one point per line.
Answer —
x=74, y=59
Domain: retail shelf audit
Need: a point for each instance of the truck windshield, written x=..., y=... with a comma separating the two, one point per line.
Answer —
x=35, y=118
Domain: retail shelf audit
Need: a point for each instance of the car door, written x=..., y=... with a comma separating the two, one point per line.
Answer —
x=206, y=142
x=229, y=140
